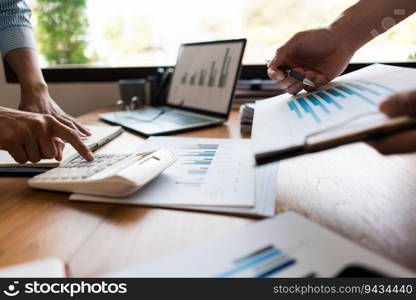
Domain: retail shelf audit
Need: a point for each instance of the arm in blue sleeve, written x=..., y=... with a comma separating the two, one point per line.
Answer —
x=15, y=27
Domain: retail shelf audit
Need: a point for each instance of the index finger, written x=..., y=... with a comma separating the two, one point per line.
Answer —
x=70, y=135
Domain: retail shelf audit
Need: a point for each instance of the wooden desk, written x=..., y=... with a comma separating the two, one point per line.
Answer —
x=352, y=190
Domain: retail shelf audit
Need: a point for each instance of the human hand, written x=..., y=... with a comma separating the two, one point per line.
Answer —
x=319, y=54
x=42, y=103
x=403, y=103
x=32, y=137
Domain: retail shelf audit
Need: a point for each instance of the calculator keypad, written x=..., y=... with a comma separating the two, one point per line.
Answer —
x=79, y=168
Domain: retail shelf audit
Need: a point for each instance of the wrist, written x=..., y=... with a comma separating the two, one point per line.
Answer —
x=36, y=89
x=345, y=31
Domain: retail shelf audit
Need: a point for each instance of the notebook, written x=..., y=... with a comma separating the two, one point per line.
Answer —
x=345, y=111
x=100, y=136
x=285, y=246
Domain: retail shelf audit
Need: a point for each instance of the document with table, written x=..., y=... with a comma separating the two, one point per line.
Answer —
x=210, y=175
x=342, y=112
x=285, y=246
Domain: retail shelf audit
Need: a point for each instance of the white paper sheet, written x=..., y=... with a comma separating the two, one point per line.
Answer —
x=209, y=172
x=285, y=246
x=265, y=202
x=283, y=122
x=45, y=268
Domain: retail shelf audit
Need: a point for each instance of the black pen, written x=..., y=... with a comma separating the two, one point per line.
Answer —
x=294, y=75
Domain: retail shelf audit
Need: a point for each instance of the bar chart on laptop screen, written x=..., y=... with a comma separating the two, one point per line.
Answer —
x=205, y=75
x=322, y=106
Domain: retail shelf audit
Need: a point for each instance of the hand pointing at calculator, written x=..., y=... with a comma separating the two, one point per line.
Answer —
x=320, y=55
x=31, y=137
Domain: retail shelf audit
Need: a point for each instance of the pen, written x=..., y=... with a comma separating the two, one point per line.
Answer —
x=294, y=75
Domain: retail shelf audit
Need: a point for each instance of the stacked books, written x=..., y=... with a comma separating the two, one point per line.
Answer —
x=246, y=117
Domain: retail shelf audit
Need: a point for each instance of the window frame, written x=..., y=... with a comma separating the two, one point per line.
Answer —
x=79, y=74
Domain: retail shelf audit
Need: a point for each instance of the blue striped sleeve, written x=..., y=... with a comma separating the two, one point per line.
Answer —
x=15, y=27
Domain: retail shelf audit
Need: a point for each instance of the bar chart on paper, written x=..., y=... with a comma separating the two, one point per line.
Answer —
x=265, y=262
x=208, y=172
x=196, y=161
x=339, y=99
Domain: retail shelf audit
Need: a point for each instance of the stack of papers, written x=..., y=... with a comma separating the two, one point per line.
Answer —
x=285, y=246
x=246, y=117
x=217, y=175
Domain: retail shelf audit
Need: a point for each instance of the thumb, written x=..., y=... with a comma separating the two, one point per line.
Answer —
x=403, y=103
x=59, y=146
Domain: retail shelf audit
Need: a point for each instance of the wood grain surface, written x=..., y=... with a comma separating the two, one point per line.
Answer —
x=352, y=190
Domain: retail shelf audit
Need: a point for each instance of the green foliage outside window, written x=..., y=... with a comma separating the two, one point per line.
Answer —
x=61, y=31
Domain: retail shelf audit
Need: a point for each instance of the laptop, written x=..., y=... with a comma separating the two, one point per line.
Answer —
x=200, y=95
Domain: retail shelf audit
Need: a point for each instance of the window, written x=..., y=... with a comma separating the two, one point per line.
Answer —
x=121, y=33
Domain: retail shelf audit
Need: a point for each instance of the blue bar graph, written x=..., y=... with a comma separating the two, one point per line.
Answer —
x=199, y=155
x=262, y=257
x=316, y=102
x=336, y=93
x=276, y=269
x=363, y=88
x=205, y=161
x=308, y=109
x=329, y=99
x=262, y=263
x=352, y=92
x=199, y=147
x=196, y=172
x=390, y=90
x=294, y=108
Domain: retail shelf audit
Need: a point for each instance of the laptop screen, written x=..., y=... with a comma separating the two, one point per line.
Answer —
x=206, y=75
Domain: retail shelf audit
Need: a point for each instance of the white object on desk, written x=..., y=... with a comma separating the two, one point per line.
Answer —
x=229, y=183
x=112, y=175
x=45, y=268
x=285, y=246
x=208, y=172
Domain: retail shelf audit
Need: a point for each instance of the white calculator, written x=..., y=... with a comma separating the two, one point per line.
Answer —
x=111, y=175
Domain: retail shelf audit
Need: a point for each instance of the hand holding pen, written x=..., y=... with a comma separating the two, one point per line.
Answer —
x=293, y=74
x=319, y=54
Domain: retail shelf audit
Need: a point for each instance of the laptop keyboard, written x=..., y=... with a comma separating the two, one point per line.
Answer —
x=182, y=119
